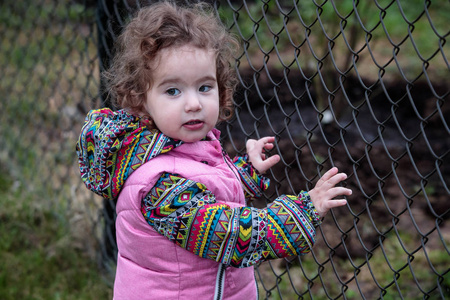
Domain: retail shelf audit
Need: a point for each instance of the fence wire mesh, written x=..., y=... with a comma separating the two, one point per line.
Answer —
x=361, y=85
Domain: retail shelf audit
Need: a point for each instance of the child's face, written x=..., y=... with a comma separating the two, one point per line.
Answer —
x=183, y=100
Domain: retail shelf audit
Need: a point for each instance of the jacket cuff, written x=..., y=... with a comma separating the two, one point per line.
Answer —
x=305, y=199
x=254, y=184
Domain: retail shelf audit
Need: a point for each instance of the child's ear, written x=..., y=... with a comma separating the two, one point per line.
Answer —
x=145, y=107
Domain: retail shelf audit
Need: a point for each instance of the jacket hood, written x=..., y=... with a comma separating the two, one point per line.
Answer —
x=112, y=145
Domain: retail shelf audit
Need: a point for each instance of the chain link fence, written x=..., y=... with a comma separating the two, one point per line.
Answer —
x=361, y=85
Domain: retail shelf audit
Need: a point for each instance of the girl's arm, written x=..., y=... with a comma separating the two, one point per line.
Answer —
x=255, y=163
x=253, y=183
x=187, y=213
x=325, y=190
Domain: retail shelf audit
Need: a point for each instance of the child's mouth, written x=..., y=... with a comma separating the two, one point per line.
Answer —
x=193, y=122
x=194, y=125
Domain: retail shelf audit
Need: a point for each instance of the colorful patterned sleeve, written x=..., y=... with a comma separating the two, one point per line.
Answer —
x=254, y=184
x=187, y=213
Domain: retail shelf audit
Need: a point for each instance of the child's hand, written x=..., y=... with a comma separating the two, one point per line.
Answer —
x=325, y=190
x=256, y=156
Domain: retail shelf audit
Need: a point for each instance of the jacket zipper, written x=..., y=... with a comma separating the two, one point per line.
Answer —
x=228, y=162
x=256, y=284
x=220, y=282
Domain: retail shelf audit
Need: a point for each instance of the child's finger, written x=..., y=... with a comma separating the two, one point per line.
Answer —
x=264, y=165
x=262, y=143
x=337, y=203
x=335, y=179
x=256, y=154
x=267, y=142
x=274, y=159
x=267, y=139
x=271, y=161
x=257, y=144
x=328, y=174
x=268, y=146
x=339, y=191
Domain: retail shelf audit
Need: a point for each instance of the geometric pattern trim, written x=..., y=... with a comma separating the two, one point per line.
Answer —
x=253, y=184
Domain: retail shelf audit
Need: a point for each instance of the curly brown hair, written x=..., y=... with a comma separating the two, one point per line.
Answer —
x=159, y=26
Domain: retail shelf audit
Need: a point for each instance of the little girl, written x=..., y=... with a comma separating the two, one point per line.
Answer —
x=183, y=228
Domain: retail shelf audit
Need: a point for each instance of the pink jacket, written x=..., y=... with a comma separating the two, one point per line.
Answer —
x=150, y=266
x=181, y=215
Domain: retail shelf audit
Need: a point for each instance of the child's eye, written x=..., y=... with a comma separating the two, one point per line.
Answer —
x=173, y=92
x=205, y=88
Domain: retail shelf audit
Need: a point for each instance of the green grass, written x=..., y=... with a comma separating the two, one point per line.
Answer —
x=44, y=65
x=37, y=257
x=389, y=268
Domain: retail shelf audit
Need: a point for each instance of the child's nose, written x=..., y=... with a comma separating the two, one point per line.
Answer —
x=193, y=103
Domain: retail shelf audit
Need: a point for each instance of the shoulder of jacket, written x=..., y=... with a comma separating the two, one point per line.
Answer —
x=151, y=171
